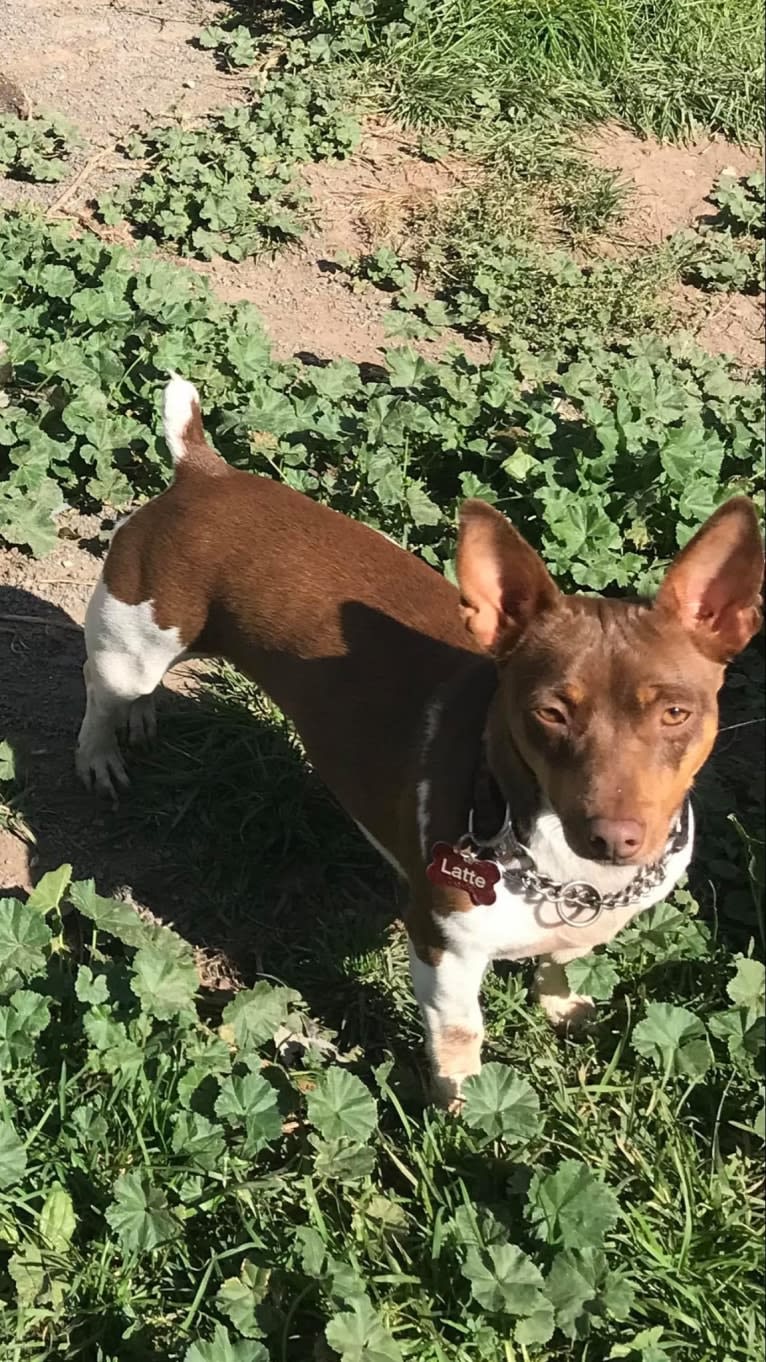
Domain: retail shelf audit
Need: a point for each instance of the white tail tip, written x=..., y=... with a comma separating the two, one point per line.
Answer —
x=181, y=406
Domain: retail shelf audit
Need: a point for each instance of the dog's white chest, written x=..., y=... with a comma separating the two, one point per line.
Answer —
x=512, y=928
x=515, y=926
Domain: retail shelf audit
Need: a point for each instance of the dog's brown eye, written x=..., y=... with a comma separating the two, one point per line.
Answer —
x=549, y=715
x=674, y=715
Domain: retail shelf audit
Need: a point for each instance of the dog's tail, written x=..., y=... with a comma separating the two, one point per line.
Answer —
x=184, y=432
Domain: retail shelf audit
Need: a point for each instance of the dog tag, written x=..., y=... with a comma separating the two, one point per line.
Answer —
x=477, y=879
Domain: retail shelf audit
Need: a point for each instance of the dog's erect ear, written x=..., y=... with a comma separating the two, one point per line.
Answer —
x=503, y=582
x=714, y=585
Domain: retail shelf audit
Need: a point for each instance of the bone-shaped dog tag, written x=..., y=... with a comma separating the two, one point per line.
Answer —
x=476, y=878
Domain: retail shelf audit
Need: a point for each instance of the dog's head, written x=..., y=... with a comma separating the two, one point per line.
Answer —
x=612, y=704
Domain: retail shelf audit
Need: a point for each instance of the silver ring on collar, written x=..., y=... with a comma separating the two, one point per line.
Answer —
x=575, y=898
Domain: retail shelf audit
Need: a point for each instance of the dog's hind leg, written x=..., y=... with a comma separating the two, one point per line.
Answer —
x=127, y=657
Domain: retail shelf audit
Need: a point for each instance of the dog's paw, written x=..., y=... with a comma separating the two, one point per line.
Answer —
x=102, y=771
x=571, y=1009
x=446, y=1093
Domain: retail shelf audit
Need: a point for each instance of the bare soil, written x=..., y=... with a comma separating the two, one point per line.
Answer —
x=668, y=187
x=303, y=297
x=669, y=184
x=109, y=66
x=725, y=324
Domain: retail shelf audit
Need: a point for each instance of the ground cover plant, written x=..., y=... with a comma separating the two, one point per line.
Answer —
x=172, y=1186
x=651, y=436
x=229, y=187
x=36, y=148
x=669, y=69
x=234, y=45
x=727, y=253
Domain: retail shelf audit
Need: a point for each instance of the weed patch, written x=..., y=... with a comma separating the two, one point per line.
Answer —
x=229, y=188
x=514, y=292
x=727, y=254
x=36, y=149
x=287, y=1197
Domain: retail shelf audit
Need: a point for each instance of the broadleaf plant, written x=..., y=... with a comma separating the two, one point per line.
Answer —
x=598, y=483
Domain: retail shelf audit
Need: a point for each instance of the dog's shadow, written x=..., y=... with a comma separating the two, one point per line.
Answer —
x=225, y=833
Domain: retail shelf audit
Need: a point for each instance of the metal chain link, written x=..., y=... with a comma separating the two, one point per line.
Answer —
x=573, y=899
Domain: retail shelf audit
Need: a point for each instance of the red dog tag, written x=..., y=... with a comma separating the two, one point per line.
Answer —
x=476, y=878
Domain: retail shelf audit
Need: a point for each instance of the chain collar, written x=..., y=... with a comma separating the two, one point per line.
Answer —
x=578, y=903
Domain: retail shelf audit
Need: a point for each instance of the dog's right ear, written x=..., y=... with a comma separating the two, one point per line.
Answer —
x=503, y=582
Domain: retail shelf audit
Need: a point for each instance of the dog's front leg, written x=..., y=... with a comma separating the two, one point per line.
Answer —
x=447, y=989
x=551, y=990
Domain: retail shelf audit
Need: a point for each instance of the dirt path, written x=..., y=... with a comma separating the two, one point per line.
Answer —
x=109, y=65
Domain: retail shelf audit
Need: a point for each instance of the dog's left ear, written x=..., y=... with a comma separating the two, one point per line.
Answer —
x=503, y=582
x=714, y=584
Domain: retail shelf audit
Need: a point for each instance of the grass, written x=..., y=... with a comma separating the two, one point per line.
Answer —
x=146, y=1217
x=669, y=69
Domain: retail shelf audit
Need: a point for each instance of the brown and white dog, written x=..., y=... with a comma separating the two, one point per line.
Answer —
x=572, y=728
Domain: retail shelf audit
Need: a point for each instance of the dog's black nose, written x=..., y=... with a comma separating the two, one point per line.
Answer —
x=616, y=839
